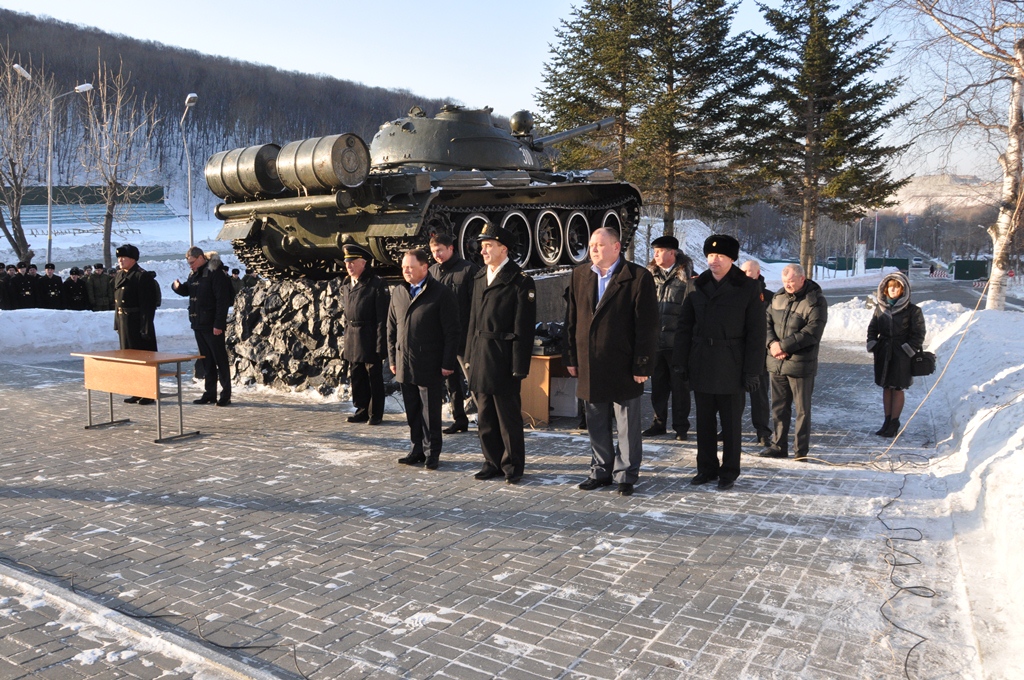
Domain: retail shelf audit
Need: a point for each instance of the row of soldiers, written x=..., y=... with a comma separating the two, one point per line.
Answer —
x=21, y=287
x=86, y=289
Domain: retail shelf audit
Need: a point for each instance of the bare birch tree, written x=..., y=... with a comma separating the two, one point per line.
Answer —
x=119, y=131
x=972, y=55
x=22, y=136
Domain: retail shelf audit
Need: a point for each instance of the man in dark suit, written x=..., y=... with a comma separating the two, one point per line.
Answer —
x=209, y=295
x=611, y=340
x=720, y=349
x=423, y=339
x=365, y=299
x=760, y=401
x=457, y=274
x=502, y=322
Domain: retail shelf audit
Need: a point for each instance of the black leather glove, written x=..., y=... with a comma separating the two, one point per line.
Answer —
x=751, y=382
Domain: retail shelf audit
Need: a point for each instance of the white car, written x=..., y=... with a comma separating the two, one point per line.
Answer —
x=917, y=262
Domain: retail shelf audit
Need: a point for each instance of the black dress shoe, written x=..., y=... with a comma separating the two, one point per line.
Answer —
x=513, y=480
x=432, y=462
x=205, y=399
x=590, y=484
x=359, y=417
x=725, y=484
x=653, y=431
x=455, y=428
x=224, y=401
x=146, y=402
x=681, y=436
x=376, y=420
x=132, y=400
x=773, y=452
x=701, y=478
x=625, y=489
x=488, y=474
x=412, y=459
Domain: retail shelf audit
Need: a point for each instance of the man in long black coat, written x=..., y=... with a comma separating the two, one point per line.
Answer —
x=611, y=339
x=49, y=289
x=365, y=299
x=73, y=292
x=135, y=302
x=457, y=274
x=21, y=289
x=720, y=347
x=209, y=295
x=502, y=323
x=423, y=341
x=760, y=398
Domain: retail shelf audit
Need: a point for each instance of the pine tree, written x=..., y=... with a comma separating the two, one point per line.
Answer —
x=595, y=72
x=815, y=126
x=695, y=74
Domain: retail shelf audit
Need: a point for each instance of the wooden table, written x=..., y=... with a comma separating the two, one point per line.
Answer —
x=536, y=387
x=137, y=373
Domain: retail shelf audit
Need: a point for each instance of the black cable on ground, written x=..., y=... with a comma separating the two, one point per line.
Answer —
x=70, y=579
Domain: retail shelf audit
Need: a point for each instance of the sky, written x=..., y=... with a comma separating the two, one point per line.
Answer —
x=479, y=52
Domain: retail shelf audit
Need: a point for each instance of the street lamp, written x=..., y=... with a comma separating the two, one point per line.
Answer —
x=190, y=101
x=84, y=87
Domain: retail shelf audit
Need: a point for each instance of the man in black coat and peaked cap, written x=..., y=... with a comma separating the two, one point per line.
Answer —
x=365, y=299
x=720, y=349
x=502, y=323
x=135, y=302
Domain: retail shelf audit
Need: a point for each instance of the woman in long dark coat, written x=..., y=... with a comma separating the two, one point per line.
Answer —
x=895, y=334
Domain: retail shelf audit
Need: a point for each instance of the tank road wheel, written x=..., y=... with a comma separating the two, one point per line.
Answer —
x=612, y=220
x=469, y=247
x=548, y=238
x=518, y=226
x=577, y=238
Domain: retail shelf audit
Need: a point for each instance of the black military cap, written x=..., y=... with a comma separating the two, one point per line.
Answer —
x=493, y=232
x=670, y=242
x=128, y=250
x=33, y=266
x=50, y=265
x=22, y=265
x=354, y=251
x=724, y=245
x=98, y=265
x=75, y=271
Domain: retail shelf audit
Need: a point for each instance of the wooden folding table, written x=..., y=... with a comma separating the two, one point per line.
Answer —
x=135, y=372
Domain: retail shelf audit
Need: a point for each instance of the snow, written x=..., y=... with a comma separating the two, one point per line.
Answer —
x=971, y=481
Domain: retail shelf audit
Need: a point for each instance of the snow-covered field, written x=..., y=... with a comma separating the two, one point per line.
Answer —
x=973, y=478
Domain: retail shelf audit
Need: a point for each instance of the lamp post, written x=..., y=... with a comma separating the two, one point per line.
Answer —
x=190, y=101
x=79, y=89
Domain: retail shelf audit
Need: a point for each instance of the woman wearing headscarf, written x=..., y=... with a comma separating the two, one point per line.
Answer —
x=895, y=334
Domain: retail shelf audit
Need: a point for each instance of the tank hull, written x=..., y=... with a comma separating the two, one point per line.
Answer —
x=290, y=216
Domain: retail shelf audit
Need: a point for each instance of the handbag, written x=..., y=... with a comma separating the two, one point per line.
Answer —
x=922, y=363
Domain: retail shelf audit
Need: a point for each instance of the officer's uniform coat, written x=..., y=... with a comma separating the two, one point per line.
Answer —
x=502, y=323
x=135, y=301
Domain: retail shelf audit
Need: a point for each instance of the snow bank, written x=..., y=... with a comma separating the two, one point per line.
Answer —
x=980, y=467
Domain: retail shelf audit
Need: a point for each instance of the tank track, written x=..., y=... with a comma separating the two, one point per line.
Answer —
x=437, y=220
x=439, y=215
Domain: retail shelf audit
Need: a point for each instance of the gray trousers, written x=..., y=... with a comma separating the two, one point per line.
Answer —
x=618, y=460
x=787, y=391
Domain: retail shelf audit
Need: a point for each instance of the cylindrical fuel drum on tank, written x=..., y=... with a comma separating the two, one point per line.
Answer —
x=333, y=162
x=244, y=173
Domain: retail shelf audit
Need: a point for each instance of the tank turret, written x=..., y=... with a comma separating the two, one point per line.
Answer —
x=289, y=210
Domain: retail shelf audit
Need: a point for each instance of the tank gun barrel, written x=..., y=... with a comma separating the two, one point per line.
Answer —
x=542, y=142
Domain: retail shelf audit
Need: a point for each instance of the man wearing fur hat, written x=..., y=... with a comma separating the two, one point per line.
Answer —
x=135, y=302
x=209, y=295
x=671, y=269
x=720, y=349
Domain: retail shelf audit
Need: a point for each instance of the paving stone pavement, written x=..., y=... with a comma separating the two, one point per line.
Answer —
x=292, y=539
